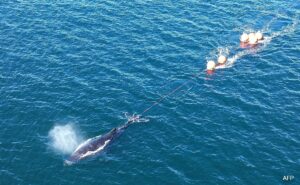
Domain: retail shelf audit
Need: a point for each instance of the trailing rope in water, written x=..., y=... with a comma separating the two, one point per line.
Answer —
x=169, y=94
x=137, y=117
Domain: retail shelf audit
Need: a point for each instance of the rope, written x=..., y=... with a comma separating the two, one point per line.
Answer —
x=169, y=94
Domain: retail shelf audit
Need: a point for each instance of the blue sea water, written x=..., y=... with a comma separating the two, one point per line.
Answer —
x=73, y=68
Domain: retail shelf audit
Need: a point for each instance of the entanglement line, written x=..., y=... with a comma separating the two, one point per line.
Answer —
x=169, y=94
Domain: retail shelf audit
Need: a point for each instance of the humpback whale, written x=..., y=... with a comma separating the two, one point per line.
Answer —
x=97, y=144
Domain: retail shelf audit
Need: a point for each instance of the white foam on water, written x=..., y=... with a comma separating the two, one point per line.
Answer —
x=223, y=51
x=64, y=138
x=240, y=54
x=262, y=44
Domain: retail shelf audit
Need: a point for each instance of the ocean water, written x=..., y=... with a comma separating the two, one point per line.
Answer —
x=69, y=70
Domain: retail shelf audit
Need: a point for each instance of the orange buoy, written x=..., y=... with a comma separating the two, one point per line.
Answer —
x=259, y=35
x=244, y=37
x=252, y=39
x=210, y=66
x=222, y=59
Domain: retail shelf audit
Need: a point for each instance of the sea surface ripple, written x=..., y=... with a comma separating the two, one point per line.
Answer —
x=84, y=63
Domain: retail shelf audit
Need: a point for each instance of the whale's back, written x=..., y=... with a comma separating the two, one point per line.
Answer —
x=92, y=146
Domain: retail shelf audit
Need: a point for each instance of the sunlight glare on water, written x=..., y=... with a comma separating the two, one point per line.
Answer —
x=88, y=61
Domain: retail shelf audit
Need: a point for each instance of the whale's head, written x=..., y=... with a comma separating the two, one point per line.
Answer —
x=74, y=158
